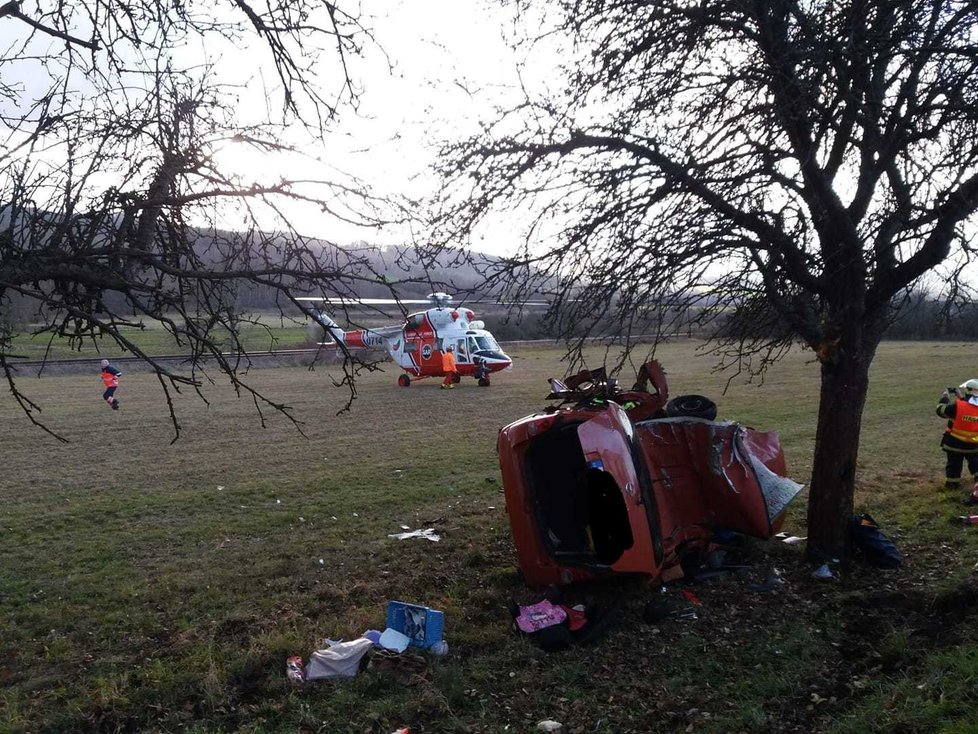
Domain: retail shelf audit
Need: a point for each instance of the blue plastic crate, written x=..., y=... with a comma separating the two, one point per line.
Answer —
x=422, y=624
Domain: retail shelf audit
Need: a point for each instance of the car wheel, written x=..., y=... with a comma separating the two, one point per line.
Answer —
x=692, y=406
x=404, y=381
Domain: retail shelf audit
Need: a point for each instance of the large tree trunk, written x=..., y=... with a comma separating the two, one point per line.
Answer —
x=845, y=382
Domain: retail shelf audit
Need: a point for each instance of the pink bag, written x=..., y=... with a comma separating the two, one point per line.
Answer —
x=539, y=616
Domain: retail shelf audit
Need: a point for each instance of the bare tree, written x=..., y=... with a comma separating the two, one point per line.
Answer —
x=779, y=171
x=117, y=207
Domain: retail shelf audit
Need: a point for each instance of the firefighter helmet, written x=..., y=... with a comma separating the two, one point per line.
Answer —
x=969, y=388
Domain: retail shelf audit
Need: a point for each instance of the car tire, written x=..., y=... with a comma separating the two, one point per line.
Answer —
x=692, y=406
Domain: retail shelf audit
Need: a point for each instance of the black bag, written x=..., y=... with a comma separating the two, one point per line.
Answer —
x=878, y=550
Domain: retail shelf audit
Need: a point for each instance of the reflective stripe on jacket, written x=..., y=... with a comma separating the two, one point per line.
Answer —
x=110, y=379
x=964, y=427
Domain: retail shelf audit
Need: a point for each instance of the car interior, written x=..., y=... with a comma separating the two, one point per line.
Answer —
x=580, y=510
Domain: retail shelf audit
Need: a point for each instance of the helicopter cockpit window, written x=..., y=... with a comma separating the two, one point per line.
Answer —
x=486, y=343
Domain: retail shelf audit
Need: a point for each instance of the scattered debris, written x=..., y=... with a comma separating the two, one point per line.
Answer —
x=382, y=652
x=823, y=573
x=426, y=533
x=969, y=519
x=439, y=649
x=422, y=625
x=791, y=539
x=294, y=670
x=549, y=726
x=877, y=549
x=555, y=627
x=373, y=636
x=771, y=582
x=691, y=597
x=541, y=615
x=341, y=660
x=394, y=640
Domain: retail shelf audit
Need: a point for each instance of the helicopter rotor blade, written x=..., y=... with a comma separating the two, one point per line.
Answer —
x=361, y=301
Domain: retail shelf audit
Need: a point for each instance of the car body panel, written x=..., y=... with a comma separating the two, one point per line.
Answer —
x=589, y=492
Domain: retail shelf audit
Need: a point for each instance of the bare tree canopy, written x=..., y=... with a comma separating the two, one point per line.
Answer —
x=118, y=205
x=783, y=170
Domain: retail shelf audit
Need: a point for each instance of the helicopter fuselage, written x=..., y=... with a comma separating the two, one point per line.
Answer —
x=417, y=346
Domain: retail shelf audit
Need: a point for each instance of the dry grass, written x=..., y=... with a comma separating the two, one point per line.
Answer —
x=156, y=587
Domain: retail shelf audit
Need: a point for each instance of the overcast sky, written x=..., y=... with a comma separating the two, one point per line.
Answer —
x=450, y=61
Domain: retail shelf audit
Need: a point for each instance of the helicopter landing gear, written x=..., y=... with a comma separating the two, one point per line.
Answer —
x=404, y=381
x=481, y=373
x=456, y=378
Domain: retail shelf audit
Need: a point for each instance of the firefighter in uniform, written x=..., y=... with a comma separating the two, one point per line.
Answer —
x=448, y=367
x=960, y=440
x=110, y=378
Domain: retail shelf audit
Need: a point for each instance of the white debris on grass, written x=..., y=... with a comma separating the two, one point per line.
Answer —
x=547, y=725
x=426, y=533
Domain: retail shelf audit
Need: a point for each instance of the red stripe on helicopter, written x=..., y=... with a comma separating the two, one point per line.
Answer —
x=363, y=339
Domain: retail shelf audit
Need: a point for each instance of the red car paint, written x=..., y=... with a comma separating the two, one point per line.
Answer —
x=601, y=487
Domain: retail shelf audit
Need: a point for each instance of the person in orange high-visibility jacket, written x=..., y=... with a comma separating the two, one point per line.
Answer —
x=448, y=367
x=110, y=378
x=960, y=440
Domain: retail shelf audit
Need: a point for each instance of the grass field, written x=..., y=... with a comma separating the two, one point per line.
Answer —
x=146, y=586
x=260, y=333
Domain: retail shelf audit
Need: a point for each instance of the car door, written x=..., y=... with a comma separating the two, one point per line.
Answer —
x=619, y=515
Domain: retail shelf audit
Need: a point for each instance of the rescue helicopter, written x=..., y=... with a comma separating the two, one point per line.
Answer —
x=417, y=345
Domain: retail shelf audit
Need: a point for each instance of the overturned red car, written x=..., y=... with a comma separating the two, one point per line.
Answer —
x=627, y=481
